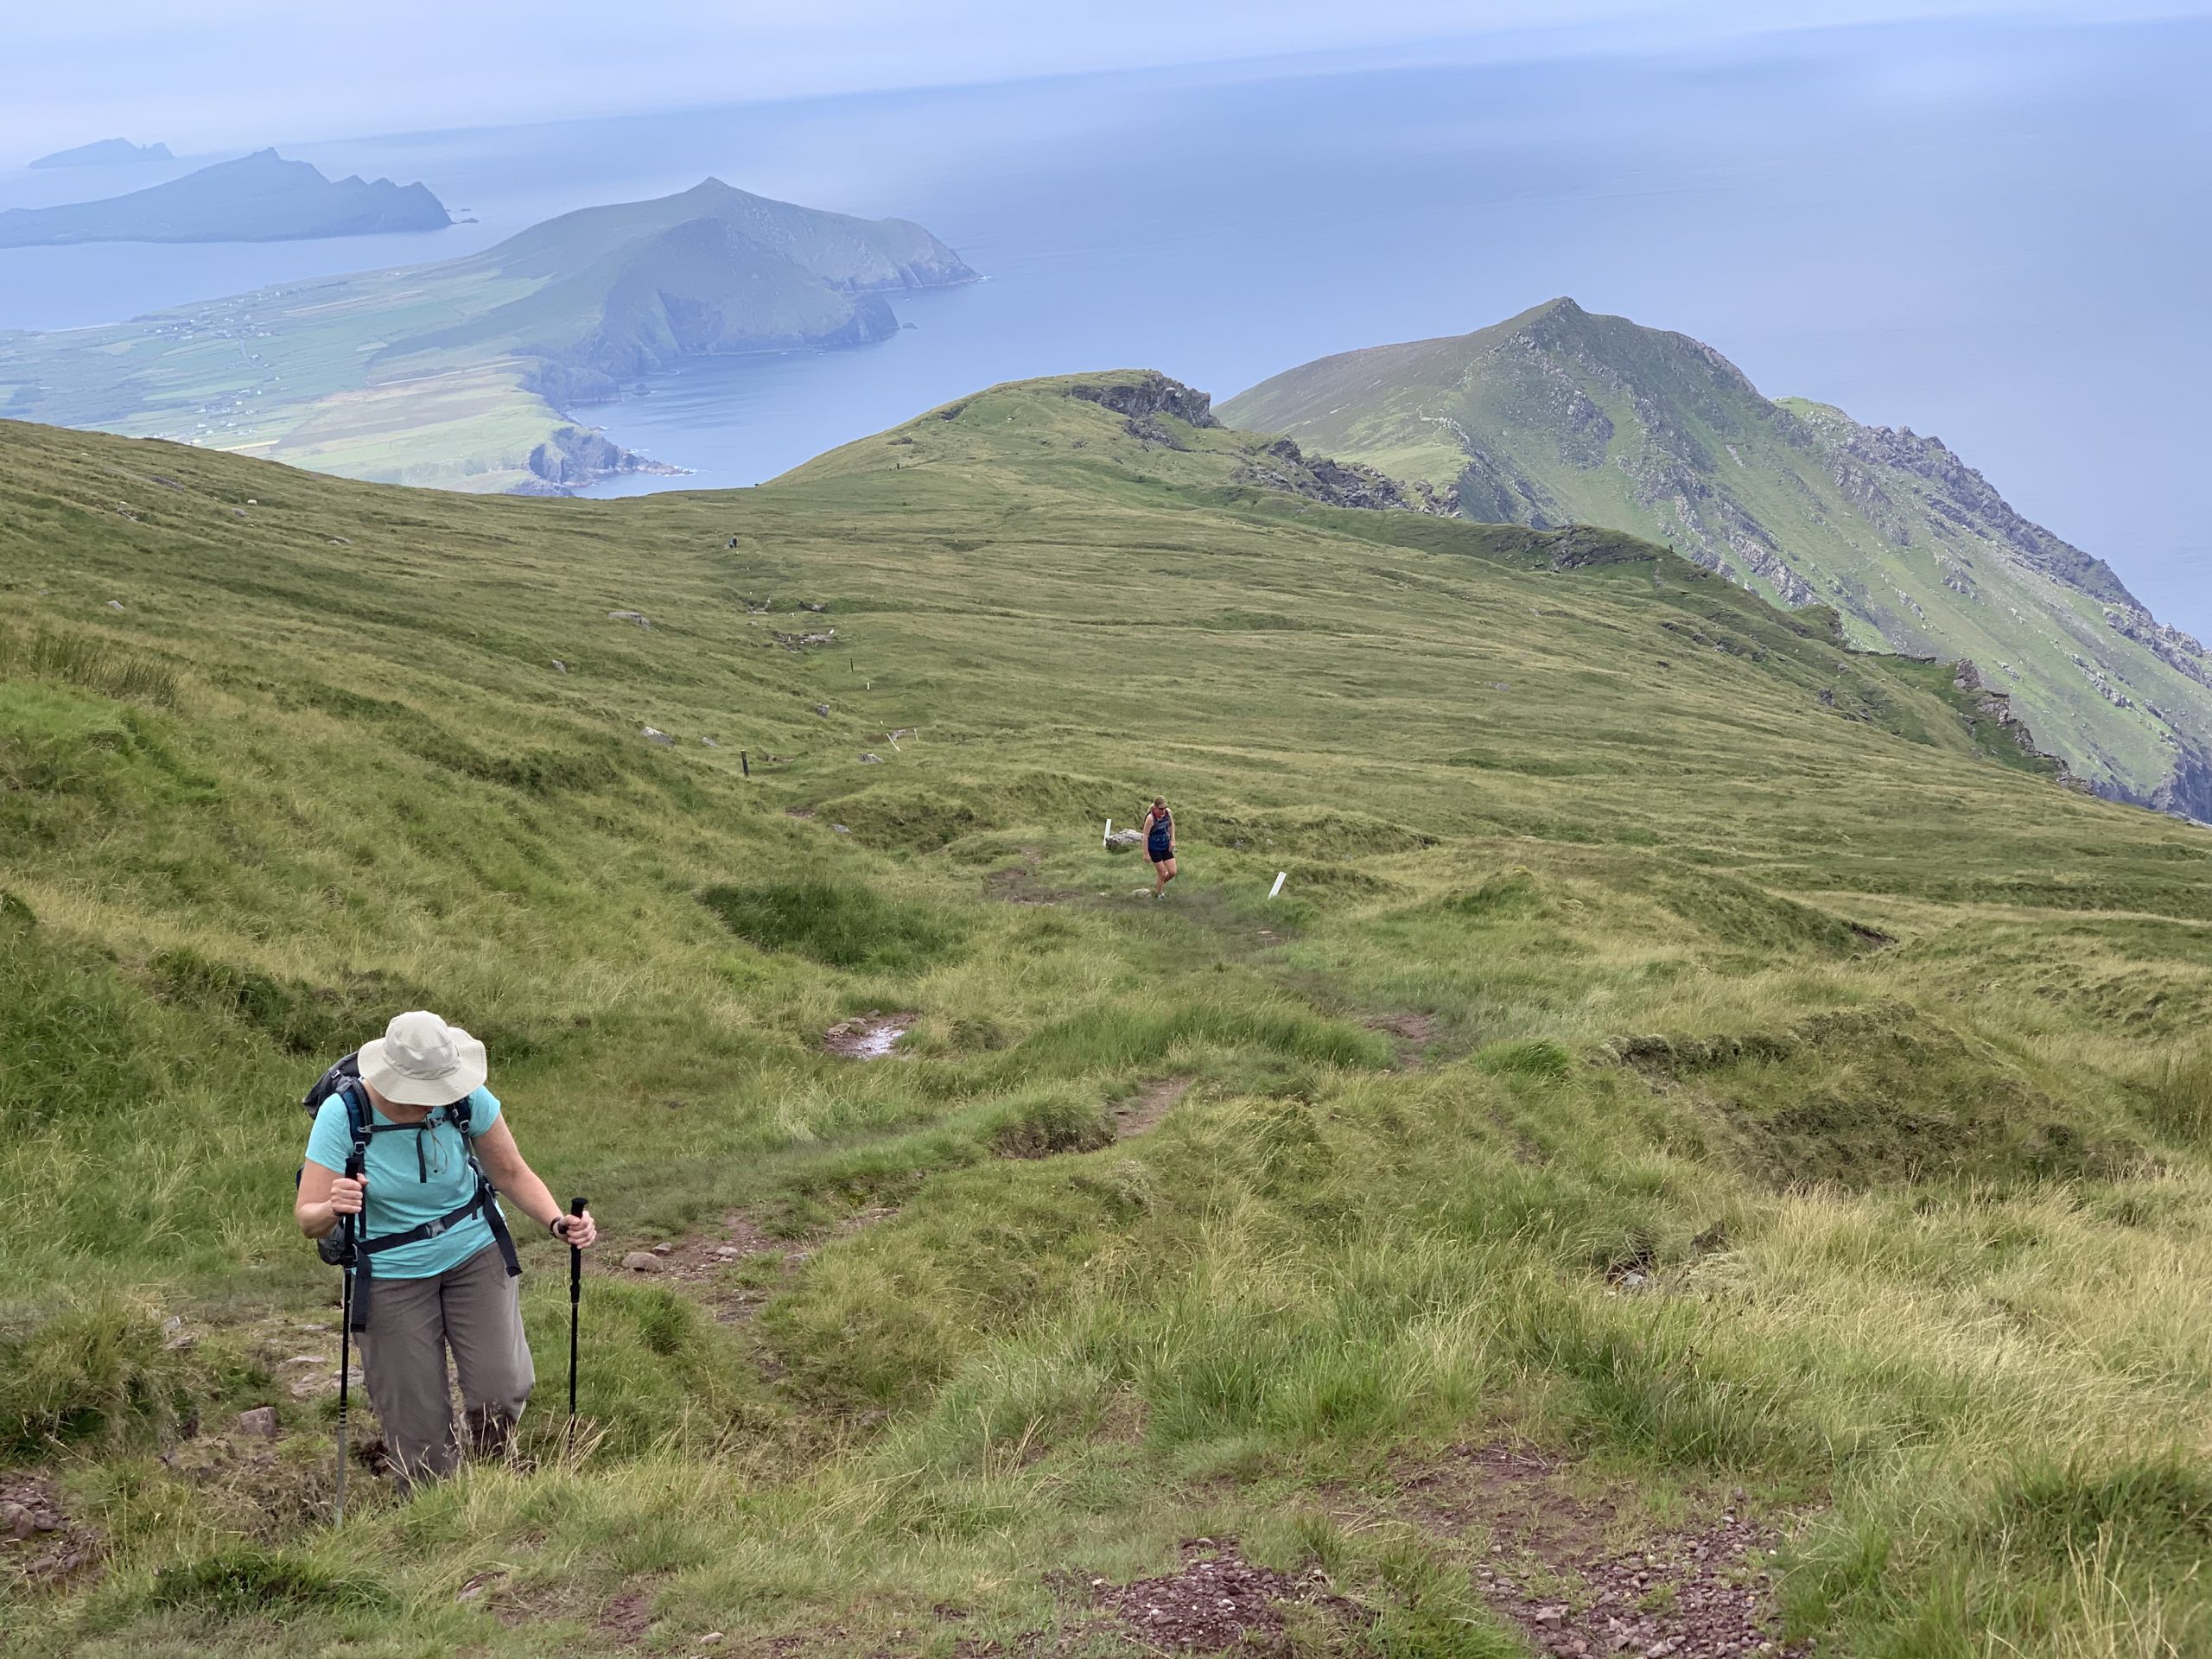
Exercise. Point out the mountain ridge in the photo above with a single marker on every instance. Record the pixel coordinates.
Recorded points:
(257, 198)
(1560, 415)
(105, 152)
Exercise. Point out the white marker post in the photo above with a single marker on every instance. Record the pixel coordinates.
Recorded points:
(1107, 840)
(1279, 877)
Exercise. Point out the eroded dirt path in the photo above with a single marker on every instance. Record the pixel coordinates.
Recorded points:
(1143, 1114)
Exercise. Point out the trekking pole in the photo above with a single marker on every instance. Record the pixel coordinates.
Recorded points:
(346, 1234)
(575, 1295)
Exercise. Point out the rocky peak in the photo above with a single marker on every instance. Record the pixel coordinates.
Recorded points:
(1149, 394)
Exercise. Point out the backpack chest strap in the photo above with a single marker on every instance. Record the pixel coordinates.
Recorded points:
(485, 1203)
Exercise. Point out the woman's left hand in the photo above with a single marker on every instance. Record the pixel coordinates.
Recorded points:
(579, 1232)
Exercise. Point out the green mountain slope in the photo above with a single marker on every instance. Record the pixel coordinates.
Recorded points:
(1559, 417)
(457, 374)
(257, 198)
(1693, 1069)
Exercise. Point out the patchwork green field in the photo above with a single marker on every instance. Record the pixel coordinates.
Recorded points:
(1703, 1090)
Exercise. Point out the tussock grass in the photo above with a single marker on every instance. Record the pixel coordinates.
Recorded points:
(80, 659)
(843, 923)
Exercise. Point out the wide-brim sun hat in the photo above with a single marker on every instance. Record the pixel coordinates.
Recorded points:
(422, 1061)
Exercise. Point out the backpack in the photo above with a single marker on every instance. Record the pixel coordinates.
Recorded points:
(349, 1244)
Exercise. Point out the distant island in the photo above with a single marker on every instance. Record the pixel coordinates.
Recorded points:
(257, 198)
(459, 374)
(624, 290)
(105, 152)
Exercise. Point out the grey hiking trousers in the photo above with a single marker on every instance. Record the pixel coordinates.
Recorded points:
(476, 1310)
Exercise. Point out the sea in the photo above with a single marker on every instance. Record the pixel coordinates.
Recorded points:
(1991, 232)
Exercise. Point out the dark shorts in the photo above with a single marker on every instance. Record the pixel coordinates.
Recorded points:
(1159, 854)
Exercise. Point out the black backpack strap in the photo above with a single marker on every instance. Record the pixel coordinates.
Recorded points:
(462, 1115)
(488, 1200)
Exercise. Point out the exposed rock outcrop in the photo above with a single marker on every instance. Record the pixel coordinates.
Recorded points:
(1150, 393)
(1283, 466)
(1996, 707)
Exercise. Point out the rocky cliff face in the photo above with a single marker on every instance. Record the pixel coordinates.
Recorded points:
(1559, 418)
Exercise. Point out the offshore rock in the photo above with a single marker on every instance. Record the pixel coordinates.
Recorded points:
(576, 456)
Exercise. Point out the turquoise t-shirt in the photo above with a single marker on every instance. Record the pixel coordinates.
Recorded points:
(403, 1195)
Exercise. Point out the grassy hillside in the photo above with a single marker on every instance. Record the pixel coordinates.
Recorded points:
(1557, 416)
(1699, 1091)
(257, 198)
(455, 374)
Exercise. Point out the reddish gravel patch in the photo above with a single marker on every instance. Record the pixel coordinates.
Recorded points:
(1215, 1602)
(38, 1540)
(1556, 1569)
(1136, 1116)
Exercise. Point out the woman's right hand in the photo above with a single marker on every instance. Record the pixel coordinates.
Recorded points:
(345, 1195)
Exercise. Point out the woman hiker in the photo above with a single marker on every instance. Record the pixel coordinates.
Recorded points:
(1160, 844)
(435, 1265)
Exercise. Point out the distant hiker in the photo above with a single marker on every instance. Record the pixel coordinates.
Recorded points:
(434, 1267)
(1160, 844)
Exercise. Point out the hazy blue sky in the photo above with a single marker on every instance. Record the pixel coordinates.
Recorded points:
(207, 75)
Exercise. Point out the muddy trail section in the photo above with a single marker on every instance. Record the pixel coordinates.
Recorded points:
(870, 1036)
(1555, 1564)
